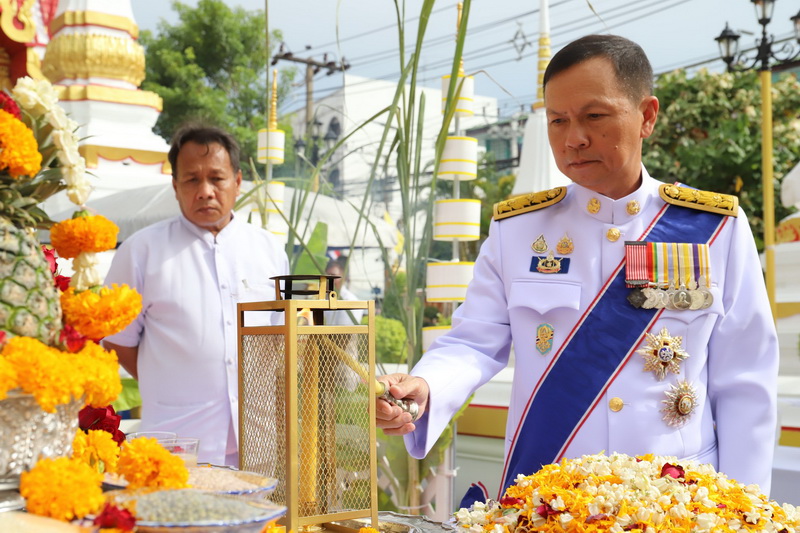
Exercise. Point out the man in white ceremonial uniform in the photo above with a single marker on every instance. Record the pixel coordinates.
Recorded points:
(637, 309)
(191, 271)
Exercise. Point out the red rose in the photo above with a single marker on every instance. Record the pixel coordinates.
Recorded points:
(671, 470)
(113, 516)
(70, 338)
(50, 255)
(101, 418)
(546, 511)
(509, 501)
(8, 105)
(62, 282)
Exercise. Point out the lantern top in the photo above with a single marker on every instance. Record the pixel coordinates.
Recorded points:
(289, 290)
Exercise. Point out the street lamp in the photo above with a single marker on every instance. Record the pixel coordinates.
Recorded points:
(728, 44)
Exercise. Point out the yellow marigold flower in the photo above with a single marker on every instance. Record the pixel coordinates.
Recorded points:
(145, 463)
(100, 369)
(368, 530)
(96, 448)
(93, 233)
(8, 378)
(19, 153)
(62, 488)
(100, 313)
(44, 372)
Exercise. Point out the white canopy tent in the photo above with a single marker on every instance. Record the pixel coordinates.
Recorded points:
(135, 209)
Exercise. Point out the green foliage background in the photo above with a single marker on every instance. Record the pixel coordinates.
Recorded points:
(708, 136)
(211, 67)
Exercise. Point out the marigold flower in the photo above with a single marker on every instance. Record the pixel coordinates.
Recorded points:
(145, 463)
(103, 312)
(62, 488)
(96, 448)
(19, 153)
(100, 370)
(93, 233)
(8, 378)
(43, 372)
(620, 493)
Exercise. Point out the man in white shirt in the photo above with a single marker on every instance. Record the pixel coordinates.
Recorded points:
(191, 271)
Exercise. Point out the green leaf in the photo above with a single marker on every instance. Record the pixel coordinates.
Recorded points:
(313, 259)
(129, 397)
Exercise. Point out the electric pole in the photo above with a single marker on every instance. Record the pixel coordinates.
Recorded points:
(312, 67)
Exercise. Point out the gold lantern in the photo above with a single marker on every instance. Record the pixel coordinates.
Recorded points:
(307, 404)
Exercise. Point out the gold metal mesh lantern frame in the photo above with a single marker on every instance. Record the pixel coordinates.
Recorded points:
(307, 405)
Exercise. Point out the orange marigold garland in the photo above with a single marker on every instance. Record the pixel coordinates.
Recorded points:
(145, 463)
(101, 312)
(83, 233)
(19, 153)
(62, 488)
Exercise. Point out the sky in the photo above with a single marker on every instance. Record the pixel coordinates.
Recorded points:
(673, 33)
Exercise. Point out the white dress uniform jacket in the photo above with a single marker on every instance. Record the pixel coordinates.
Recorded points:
(190, 282)
(732, 346)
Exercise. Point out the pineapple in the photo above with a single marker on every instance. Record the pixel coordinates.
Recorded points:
(29, 300)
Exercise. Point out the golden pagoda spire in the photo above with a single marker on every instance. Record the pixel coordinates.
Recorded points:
(544, 51)
(458, 26)
(273, 109)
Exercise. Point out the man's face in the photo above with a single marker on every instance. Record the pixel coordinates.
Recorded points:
(596, 129)
(205, 185)
(336, 271)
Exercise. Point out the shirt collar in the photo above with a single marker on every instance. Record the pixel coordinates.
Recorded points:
(618, 211)
(205, 235)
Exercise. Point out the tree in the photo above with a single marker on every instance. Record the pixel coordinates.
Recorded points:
(211, 67)
(708, 135)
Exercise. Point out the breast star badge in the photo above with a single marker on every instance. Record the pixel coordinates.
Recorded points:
(663, 354)
(680, 404)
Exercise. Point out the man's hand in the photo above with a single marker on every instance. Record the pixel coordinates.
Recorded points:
(390, 418)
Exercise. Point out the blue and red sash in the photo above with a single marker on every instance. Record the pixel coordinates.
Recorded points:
(594, 353)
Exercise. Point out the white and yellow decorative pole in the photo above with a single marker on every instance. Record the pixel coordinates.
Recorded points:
(456, 220)
(271, 150)
(537, 166)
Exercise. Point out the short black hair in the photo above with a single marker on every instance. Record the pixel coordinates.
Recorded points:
(633, 69)
(204, 135)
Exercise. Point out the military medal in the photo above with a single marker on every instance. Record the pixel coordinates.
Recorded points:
(549, 264)
(565, 245)
(680, 404)
(663, 354)
(544, 338)
(539, 245)
(676, 273)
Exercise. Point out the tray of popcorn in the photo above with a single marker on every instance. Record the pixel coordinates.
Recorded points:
(624, 493)
(195, 511)
(230, 481)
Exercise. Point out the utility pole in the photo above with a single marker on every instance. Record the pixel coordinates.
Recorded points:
(312, 67)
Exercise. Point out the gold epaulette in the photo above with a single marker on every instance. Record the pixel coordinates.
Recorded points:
(528, 202)
(713, 202)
